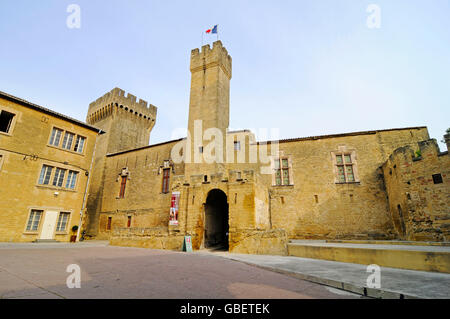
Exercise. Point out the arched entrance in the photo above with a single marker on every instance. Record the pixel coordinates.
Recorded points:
(216, 220)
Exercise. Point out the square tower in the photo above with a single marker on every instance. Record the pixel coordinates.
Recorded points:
(209, 108)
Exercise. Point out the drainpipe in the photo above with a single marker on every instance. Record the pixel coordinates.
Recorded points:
(83, 206)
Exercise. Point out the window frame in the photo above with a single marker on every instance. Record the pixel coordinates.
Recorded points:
(2, 159)
(165, 181)
(282, 169)
(43, 175)
(59, 172)
(11, 123)
(109, 223)
(27, 223)
(123, 186)
(67, 135)
(83, 144)
(59, 222)
(344, 164)
(64, 172)
(64, 137)
(51, 140)
(72, 173)
(437, 179)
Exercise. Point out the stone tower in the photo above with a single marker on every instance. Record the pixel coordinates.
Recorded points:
(209, 105)
(127, 124)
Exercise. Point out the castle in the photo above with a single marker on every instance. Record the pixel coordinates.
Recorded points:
(227, 190)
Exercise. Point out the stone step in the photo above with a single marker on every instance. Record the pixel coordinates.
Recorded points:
(413, 257)
(390, 242)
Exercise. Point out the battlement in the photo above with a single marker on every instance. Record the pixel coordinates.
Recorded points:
(408, 156)
(207, 57)
(116, 98)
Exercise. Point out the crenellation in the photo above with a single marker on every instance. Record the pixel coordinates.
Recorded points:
(210, 57)
(143, 103)
(118, 98)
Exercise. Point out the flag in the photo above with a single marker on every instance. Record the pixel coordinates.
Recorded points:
(212, 30)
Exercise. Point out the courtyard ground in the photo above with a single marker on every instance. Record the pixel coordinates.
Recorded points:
(39, 271)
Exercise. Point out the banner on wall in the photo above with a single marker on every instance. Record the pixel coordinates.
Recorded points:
(175, 202)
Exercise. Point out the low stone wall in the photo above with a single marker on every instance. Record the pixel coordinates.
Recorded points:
(242, 241)
(259, 242)
(154, 238)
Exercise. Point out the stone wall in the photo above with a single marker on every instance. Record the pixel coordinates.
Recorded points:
(23, 152)
(144, 200)
(154, 238)
(419, 206)
(317, 206)
(259, 242)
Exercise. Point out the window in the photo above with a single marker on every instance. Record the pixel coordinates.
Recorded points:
(55, 138)
(165, 182)
(437, 179)
(34, 219)
(345, 170)
(79, 144)
(62, 222)
(46, 172)
(68, 140)
(6, 120)
(59, 177)
(123, 184)
(282, 172)
(237, 146)
(71, 180)
(200, 149)
(129, 222)
(108, 225)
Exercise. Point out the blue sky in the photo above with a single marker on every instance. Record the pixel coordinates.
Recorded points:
(306, 67)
